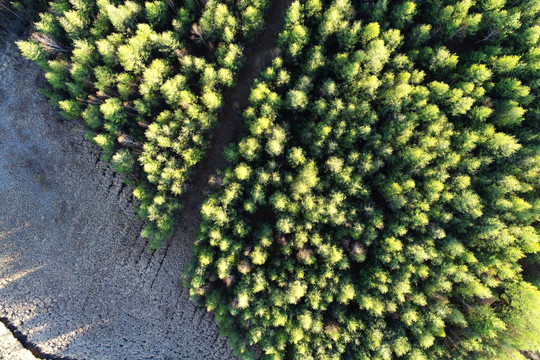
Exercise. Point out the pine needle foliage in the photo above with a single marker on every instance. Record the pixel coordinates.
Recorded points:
(387, 188)
(148, 78)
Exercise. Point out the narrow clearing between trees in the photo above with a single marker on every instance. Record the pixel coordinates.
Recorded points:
(76, 280)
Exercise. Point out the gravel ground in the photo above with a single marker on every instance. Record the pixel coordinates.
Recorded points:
(75, 277)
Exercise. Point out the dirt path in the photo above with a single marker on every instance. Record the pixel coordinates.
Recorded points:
(75, 277)
(230, 127)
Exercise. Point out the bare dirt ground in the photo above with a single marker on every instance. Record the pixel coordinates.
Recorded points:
(76, 281)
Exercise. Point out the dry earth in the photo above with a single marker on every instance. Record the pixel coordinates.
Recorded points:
(76, 280)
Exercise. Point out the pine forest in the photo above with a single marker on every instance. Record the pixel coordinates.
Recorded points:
(382, 201)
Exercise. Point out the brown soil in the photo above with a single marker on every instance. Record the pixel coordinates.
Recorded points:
(230, 126)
